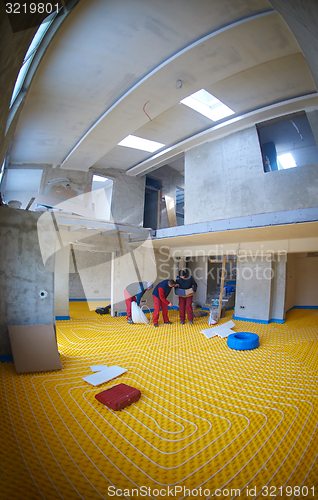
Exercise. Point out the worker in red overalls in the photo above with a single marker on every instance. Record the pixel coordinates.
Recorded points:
(160, 295)
(134, 293)
(186, 282)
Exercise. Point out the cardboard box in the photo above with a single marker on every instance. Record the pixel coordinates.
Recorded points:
(184, 293)
(34, 348)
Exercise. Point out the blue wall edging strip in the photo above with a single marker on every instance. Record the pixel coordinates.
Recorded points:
(263, 322)
(6, 359)
(305, 307)
(302, 307)
(60, 318)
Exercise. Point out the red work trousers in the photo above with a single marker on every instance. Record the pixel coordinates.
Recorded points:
(129, 299)
(164, 307)
(185, 304)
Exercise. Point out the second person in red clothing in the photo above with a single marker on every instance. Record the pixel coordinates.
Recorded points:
(160, 295)
(185, 282)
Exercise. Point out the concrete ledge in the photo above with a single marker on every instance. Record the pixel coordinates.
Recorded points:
(301, 215)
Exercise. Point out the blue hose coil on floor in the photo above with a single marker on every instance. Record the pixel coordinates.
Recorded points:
(243, 341)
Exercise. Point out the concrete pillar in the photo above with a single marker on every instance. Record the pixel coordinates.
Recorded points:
(278, 290)
(290, 281)
(261, 287)
(26, 285)
(61, 283)
(253, 287)
(199, 270)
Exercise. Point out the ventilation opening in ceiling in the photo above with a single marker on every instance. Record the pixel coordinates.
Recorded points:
(205, 103)
(132, 141)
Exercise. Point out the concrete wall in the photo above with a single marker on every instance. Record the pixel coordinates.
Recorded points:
(225, 179)
(78, 181)
(61, 283)
(128, 197)
(306, 289)
(290, 281)
(152, 265)
(199, 270)
(23, 276)
(124, 272)
(91, 277)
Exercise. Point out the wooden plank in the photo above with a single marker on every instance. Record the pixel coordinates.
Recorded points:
(171, 211)
(30, 203)
(222, 285)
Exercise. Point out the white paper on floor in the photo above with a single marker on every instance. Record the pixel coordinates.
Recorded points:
(222, 331)
(98, 368)
(105, 375)
(208, 332)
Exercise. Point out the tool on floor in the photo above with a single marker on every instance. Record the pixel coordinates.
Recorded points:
(118, 397)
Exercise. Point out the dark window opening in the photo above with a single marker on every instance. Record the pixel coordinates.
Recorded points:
(180, 206)
(287, 142)
(152, 210)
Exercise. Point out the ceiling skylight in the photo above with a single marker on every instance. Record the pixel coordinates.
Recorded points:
(99, 178)
(131, 141)
(286, 160)
(207, 105)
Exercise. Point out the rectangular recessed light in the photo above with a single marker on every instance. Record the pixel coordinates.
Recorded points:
(205, 103)
(132, 141)
(287, 160)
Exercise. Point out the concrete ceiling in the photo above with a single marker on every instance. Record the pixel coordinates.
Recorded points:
(111, 70)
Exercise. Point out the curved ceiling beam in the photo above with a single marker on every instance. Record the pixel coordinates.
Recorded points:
(66, 162)
(222, 129)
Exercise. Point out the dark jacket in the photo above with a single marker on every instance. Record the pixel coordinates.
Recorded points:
(186, 283)
(162, 291)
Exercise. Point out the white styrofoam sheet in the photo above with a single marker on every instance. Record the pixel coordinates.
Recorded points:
(228, 324)
(98, 368)
(105, 375)
(208, 332)
(222, 331)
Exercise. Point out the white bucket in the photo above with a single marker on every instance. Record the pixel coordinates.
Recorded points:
(14, 204)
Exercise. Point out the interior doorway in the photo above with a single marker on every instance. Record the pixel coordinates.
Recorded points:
(152, 211)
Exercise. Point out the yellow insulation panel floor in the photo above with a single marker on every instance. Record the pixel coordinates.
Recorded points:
(212, 422)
